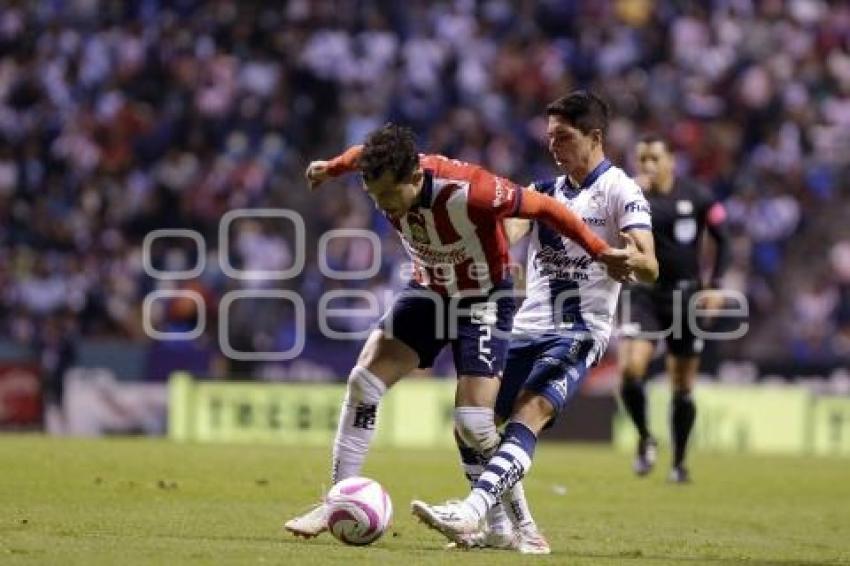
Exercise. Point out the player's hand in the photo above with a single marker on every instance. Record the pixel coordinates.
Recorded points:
(622, 262)
(615, 261)
(316, 174)
(618, 262)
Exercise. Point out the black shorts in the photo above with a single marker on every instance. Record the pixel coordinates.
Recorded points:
(655, 312)
(477, 327)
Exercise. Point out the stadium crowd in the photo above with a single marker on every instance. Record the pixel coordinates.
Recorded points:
(118, 118)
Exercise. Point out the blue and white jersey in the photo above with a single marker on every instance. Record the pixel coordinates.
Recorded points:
(566, 291)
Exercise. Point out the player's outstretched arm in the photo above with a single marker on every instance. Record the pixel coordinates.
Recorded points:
(537, 206)
(320, 171)
(641, 262)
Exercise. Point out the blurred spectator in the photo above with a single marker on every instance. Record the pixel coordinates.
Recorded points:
(118, 118)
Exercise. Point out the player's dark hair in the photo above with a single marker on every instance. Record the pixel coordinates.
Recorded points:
(583, 109)
(389, 148)
(655, 137)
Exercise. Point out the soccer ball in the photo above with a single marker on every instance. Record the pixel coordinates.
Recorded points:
(359, 511)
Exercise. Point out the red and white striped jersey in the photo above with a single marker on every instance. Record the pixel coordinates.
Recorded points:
(454, 234)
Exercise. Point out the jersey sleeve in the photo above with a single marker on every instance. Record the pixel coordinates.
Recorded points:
(538, 206)
(631, 209)
(345, 162)
(494, 195)
(712, 210)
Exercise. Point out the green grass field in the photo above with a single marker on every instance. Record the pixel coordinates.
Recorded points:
(154, 502)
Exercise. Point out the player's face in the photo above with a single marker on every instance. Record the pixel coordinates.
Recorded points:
(655, 162)
(394, 197)
(570, 148)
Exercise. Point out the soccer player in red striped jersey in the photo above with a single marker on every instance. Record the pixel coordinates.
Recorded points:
(449, 215)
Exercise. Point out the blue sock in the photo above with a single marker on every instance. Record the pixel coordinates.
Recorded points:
(507, 466)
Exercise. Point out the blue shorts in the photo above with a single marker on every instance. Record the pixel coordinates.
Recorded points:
(550, 365)
(477, 327)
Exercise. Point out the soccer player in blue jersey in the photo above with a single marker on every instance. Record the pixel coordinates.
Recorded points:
(563, 327)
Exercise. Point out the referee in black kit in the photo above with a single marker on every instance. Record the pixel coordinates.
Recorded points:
(681, 212)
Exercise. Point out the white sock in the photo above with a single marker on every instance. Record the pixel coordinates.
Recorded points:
(357, 419)
(516, 505)
(476, 427)
(498, 520)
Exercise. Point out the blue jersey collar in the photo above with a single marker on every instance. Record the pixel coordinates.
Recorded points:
(591, 178)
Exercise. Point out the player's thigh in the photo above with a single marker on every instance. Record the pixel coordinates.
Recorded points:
(386, 357)
(633, 357)
(412, 332)
(682, 370)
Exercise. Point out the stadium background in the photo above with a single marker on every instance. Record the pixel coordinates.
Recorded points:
(120, 118)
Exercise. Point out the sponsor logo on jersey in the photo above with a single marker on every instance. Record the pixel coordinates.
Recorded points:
(597, 201)
(503, 194)
(590, 221)
(561, 265)
(431, 256)
(637, 206)
(685, 230)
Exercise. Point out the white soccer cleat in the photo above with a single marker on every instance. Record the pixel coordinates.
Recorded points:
(311, 524)
(485, 538)
(529, 540)
(452, 519)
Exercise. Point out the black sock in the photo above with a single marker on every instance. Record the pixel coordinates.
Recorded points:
(472, 462)
(634, 400)
(684, 412)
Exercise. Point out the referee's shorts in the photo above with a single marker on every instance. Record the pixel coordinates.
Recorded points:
(653, 312)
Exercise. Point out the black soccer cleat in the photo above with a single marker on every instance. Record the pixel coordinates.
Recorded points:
(647, 453)
(679, 475)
